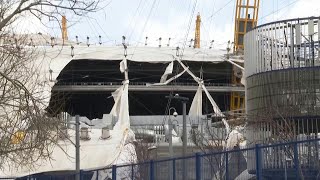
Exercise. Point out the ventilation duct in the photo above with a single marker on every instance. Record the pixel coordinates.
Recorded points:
(105, 133)
(84, 133)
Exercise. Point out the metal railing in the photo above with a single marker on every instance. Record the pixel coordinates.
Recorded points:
(144, 84)
(297, 159)
(285, 44)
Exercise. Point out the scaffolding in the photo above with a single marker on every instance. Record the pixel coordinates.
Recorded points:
(246, 18)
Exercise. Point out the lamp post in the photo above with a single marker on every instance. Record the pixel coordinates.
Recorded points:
(77, 145)
(184, 101)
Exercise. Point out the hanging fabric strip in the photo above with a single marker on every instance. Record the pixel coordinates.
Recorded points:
(216, 109)
(196, 106)
(168, 71)
(168, 81)
(243, 79)
(123, 114)
(122, 66)
(116, 97)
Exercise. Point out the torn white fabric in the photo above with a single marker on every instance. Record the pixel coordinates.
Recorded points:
(94, 153)
(235, 64)
(196, 106)
(123, 66)
(142, 54)
(216, 109)
(167, 72)
(169, 80)
(198, 80)
(116, 97)
(234, 139)
(123, 107)
(243, 79)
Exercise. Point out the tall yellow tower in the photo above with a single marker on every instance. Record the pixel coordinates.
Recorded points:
(197, 32)
(64, 29)
(246, 18)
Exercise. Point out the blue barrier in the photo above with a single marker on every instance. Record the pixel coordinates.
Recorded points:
(290, 160)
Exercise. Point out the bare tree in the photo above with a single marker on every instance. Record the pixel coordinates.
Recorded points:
(27, 133)
(145, 151)
(11, 10)
(210, 139)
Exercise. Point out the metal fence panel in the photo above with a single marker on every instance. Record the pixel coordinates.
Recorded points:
(163, 170)
(288, 160)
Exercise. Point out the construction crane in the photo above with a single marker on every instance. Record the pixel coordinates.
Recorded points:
(197, 32)
(64, 29)
(246, 18)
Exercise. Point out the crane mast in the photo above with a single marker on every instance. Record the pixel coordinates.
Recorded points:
(197, 32)
(64, 29)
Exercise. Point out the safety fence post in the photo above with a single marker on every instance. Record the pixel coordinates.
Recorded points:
(80, 174)
(114, 172)
(132, 172)
(151, 170)
(174, 169)
(227, 165)
(258, 162)
(296, 159)
(198, 166)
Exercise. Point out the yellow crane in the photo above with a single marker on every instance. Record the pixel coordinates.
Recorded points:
(246, 18)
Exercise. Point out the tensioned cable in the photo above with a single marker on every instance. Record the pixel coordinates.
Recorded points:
(188, 29)
(145, 24)
(180, 13)
(132, 20)
(169, 33)
(139, 102)
(213, 14)
(178, 66)
(104, 32)
(278, 10)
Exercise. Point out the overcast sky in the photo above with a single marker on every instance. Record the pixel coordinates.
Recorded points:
(137, 19)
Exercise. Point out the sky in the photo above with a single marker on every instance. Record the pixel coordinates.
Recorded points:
(175, 19)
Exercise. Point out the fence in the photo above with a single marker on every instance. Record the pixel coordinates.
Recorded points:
(289, 160)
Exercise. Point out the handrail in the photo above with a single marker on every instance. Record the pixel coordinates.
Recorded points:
(285, 21)
(143, 84)
(217, 153)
